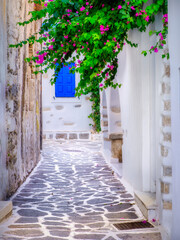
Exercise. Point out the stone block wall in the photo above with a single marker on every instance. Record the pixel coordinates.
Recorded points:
(22, 99)
(166, 149)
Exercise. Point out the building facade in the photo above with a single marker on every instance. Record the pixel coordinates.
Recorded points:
(64, 115)
(20, 93)
(143, 117)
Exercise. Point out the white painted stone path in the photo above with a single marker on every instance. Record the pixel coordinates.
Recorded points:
(72, 194)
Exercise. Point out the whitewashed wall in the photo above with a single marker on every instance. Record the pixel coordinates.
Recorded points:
(64, 116)
(145, 117)
(174, 34)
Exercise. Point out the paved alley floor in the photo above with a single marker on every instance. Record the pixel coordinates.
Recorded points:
(72, 194)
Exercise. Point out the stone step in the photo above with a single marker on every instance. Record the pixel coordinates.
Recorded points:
(5, 209)
(146, 202)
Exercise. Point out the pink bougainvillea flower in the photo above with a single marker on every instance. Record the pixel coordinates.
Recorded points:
(45, 4)
(87, 13)
(132, 8)
(107, 40)
(127, 3)
(147, 18)
(68, 14)
(77, 23)
(90, 67)
(119, 7)
(104, 43)
(128, 22)
(87, 43)
(88, 49)
(112, 9)
(137, 14)
(144, 221)
(50, 47)
(87, 3)
(82, 46)
(82, 8)
(91, 6)
(74, 44)
(111, 67)
(66, 37)
(97, 74)
(114, 39)
(153, 220)
(79, 61)
(101, 85)
(62, 45)
(155, 50)
(161, 36)
(102, 5)
(152, 47)
(107, 74)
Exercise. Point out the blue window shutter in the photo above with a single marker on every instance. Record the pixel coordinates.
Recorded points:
(65, 82)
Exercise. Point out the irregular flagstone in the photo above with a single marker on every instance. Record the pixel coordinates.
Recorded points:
(72, 194)
(25, 226)
(140, 236)
(31, 213)
(26, 233)
(110, 238)
(119, 207)
(122, 215)
(27, 220)
(89, 236)
(59, 233)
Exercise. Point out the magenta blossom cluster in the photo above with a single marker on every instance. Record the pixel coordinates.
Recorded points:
(165, 17)
(103, 29)
(141, 13)
(47, 3)
(40, 59)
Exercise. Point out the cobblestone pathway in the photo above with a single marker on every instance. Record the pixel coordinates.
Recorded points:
(72, 194)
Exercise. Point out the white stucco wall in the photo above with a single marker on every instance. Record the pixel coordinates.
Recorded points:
(174, 35)
(145, 122)
(64, 114)
(138, 101)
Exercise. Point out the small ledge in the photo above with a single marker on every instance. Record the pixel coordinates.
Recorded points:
(146, 201)
(5, 209)
(116, 136)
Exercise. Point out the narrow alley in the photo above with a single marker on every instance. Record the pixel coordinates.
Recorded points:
(72, 194)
